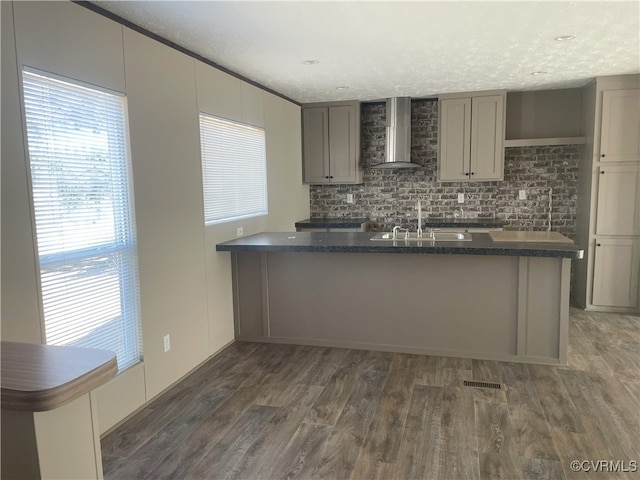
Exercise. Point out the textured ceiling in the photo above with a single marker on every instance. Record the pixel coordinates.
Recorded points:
(384, 49)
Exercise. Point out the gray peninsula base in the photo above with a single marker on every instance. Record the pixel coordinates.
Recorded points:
(506, 308)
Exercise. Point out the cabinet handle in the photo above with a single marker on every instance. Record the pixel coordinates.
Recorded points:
(473, 173)
(603, 155)
(598, 244)
(467, 174)
(327, 176)
(601, 172)
(330, 176)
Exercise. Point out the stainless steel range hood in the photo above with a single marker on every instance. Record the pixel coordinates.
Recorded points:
(398, 151)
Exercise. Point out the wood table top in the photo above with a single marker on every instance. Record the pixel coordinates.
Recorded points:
(43, 377)
(529, 236)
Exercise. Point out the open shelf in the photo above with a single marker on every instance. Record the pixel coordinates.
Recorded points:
(539, 142)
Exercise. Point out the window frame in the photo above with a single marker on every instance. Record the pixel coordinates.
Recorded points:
(122, 250)
(230, 217)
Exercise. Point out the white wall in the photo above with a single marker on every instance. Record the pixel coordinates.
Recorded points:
(20, 308)
(185, 285)
(288, 197)
(580, 280)
(165, 152)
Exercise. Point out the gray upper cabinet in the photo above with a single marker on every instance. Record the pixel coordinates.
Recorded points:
(315, 144)
(331, 143)
(455, 139)
(620, 126)
(472, 132)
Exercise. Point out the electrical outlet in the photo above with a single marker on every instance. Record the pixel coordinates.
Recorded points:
(167, 343)
(461, 198)
(522, 195)
(349, 197)
(239, 231)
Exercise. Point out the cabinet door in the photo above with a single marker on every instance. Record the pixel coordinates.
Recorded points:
(618, 200)
(455, 139)
(615, 274)
(315, 144)
(620, 131)
(343, 161)
(487, 138)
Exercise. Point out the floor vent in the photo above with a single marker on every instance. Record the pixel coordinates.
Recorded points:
(471, 383)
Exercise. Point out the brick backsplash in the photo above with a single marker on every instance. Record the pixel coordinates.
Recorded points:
(388, 197)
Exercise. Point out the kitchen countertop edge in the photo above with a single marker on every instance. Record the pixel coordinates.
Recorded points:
(360, 242)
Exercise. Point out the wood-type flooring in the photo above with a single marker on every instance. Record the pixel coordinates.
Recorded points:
(265, 411)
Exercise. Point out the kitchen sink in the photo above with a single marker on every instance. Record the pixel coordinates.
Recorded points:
(413, 237)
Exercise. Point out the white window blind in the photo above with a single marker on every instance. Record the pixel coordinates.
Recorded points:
(234, 172)
(82, 199)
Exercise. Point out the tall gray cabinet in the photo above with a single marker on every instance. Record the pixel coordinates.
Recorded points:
(608, 218)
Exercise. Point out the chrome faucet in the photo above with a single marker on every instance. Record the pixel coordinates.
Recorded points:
(399, 229)
(419, 208)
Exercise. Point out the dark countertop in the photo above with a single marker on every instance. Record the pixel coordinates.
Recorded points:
(344, 222)
(360, 242)
(462, 223)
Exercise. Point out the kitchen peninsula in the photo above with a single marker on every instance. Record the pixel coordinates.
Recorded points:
(478, 299)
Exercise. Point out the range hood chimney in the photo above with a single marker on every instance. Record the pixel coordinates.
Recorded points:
(398, 151)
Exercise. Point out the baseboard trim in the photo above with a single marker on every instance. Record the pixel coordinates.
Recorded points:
(402, 349)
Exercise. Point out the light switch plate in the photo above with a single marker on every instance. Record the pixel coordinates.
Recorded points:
(461, 198)
(167, 343)
(349, 197)
(239, 231)
(522, 195)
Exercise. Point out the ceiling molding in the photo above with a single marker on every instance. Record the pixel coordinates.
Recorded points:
(123, 21)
